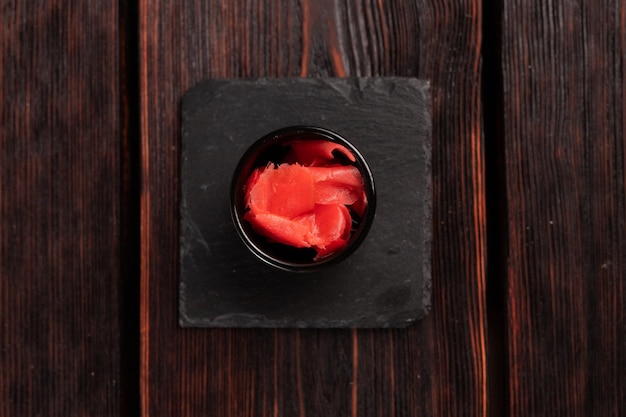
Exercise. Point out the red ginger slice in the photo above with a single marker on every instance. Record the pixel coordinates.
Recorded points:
(279, 229)
(333, 222)
(329, 193)
(346, 175)
(287, 191)
(360, 204)
(337, 184)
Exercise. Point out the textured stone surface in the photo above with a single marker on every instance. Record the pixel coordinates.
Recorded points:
(385, 283)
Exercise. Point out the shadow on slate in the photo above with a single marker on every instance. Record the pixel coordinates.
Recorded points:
(385, 283)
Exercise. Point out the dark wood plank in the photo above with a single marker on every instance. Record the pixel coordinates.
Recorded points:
(59, 209)
(564, 119)
(436, 367)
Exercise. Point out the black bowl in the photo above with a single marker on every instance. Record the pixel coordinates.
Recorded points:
(272, 148)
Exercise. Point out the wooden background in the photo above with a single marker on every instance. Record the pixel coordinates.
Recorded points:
(529, 216)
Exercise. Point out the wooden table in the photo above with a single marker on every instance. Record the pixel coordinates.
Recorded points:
(529, 222)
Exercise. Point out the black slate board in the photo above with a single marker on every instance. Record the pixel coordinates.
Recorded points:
(385, 283)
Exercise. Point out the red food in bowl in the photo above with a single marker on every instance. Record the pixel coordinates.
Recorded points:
(305, 200)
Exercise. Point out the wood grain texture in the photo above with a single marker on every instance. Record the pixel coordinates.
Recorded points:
(436, 367)
(564, 125)
(59, 197)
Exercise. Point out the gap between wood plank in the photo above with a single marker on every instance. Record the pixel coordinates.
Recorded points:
(130, 208)
(497, 211)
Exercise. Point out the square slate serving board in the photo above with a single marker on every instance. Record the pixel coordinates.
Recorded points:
(385, 283)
